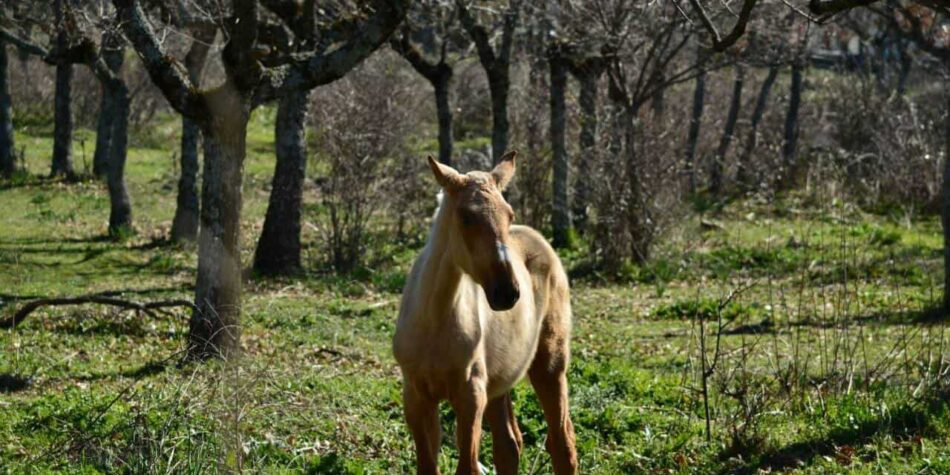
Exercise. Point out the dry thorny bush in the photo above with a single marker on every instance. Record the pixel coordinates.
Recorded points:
(363, 160)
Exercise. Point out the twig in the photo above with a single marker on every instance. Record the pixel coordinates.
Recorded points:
(148, 308)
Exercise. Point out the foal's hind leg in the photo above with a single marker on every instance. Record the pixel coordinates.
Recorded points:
(548, 375)
(505, 434)
(422, 416)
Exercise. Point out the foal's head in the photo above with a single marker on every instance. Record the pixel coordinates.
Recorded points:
(478, 219)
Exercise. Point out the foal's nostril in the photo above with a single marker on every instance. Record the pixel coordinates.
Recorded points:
(503, 296)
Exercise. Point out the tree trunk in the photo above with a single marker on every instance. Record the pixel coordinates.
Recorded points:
(699, 101)
(791, 125)
(588, 144)
(498, 87)
(120, 214)
(637, 219)
(100, 159)
(715, 172)
(185, 222)
(743, 172)
(63, 123)
(112, 54)
(278, 249)
(945, 215)
(444, 112)
(215, 323)
(560, 213)
(7, 148)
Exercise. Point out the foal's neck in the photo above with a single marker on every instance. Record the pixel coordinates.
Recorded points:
(440, 275)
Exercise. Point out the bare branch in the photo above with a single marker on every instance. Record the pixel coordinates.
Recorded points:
(26, 310)
(830, 7)
(23, 44)
(166, 72)
(723, 43)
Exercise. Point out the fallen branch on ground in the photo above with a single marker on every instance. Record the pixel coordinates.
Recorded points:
(149, 308)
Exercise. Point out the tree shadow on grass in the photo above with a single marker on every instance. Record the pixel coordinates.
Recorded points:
(909, 420)
(11, 383)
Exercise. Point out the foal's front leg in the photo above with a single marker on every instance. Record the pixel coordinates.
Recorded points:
(469, 403)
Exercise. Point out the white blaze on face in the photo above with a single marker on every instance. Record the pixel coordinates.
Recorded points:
(502, 252)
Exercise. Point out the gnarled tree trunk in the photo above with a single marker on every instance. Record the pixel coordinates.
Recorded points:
(7, 149)
(715, 171)
(560, 213)
(215, 323)
(278, 249)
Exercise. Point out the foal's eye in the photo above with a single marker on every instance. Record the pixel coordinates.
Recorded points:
(467, 218)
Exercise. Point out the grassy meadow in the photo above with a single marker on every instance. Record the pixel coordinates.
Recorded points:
(808, 320)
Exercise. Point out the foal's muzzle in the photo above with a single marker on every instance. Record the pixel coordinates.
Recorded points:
(503, 294)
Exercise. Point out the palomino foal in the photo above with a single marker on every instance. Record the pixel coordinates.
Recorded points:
(485, 303)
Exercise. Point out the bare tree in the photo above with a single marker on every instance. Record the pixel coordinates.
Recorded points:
(496, 61)
(640, 70)
(256, 72)
(429, 29)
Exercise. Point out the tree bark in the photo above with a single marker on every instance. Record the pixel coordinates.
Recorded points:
(561, 215)
(185, 222)
(637, 220)
(444, 113)
(588, 145)
(699, 101)
(791, 124)
(7, 148)
(496, 62)
(499, 85)
(120, 213)
(100, 159)
(63, 117)
(743, 173)
(715, 172)
(215, 323)
(945, 214)
(112, 54)
(63, 123)
(278, 249)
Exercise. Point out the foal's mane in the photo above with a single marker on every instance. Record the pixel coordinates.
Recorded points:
(436, 216)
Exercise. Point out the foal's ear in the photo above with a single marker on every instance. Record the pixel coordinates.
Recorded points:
(450, 179)
(505, 170)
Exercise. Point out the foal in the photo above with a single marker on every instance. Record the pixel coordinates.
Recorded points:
(485, 303)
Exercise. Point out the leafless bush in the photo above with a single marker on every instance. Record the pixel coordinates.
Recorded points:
(630, 215)
(362, 122)
(887, 147)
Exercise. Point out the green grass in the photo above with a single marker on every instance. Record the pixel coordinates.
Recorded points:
(830, 358)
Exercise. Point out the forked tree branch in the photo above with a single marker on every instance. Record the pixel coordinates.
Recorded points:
(722, 43)
(167, 73)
